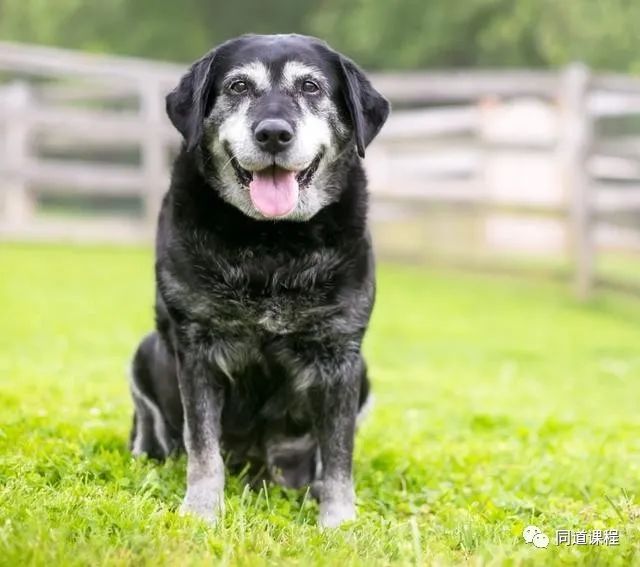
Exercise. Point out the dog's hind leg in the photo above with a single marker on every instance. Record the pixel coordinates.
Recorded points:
(151, 433)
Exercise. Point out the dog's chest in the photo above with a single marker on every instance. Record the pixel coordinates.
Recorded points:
(269, 295)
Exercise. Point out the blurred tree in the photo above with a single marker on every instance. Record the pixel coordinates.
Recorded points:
(378, 33)
(443, 33)
(163, 29)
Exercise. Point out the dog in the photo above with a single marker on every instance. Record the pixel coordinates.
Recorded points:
(264, 274)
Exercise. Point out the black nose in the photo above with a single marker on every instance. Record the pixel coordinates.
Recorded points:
(273, 135)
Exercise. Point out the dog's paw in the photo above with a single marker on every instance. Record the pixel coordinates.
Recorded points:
(207, 505)
(334, 513)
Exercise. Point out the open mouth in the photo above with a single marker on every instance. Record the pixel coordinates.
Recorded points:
(274, 190)
(303, 177)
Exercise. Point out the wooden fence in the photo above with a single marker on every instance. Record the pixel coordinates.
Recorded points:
(509, 167)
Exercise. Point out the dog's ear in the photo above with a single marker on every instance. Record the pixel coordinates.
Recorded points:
(189, 103)
(367, 108)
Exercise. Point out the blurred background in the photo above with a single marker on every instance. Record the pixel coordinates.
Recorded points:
(514, 144)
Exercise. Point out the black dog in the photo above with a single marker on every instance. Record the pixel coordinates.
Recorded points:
(264, 272)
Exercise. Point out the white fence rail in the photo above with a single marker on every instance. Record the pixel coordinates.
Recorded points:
(525, 157)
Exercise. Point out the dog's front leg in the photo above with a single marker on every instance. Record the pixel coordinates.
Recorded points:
(336, 406)
(202, 402)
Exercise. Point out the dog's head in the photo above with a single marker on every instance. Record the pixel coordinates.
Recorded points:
(275, 114)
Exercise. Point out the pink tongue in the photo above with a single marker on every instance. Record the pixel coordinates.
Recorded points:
(274, 191)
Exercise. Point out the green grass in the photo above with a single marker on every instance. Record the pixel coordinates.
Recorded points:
(500, 403)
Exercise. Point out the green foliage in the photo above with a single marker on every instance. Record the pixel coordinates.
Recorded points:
(147, 28)
(399, 34)
(498, 404)
(440, 33)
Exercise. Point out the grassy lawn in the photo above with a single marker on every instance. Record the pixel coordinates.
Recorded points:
(500, 404)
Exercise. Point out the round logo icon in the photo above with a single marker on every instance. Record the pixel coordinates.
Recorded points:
(530, 532)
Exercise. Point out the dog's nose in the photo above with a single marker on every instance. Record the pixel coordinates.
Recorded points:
(273, 135)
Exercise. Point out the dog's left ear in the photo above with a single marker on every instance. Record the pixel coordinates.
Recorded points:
(368, 109)
(189, 103)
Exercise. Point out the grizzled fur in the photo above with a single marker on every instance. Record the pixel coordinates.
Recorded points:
(256, 355)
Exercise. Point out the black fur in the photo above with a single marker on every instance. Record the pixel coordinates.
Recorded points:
(259, 324)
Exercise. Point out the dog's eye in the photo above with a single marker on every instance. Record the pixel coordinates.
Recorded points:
(239, 87)
(310, 87)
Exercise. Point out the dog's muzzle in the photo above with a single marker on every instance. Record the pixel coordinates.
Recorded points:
(275, 190)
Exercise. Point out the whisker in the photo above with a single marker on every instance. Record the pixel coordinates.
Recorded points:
(226, 164)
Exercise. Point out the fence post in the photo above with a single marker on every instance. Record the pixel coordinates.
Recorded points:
(153, 151)
(18, 202)
(575, 140)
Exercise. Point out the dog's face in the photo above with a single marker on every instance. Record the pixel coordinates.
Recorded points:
(275, 114)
